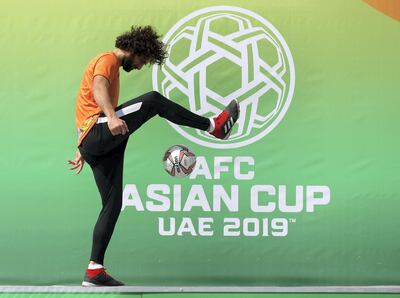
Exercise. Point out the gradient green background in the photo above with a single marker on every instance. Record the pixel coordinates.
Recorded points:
(341, 130)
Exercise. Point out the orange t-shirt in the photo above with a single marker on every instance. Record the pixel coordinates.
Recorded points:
(87, 111)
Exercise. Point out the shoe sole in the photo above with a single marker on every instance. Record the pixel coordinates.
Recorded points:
(89, 284)
(237, 108)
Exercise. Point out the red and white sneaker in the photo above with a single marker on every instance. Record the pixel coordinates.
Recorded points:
(224, 122)
(99, 278)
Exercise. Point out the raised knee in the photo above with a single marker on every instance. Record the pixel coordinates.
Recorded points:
(155, 94)
(156, 99)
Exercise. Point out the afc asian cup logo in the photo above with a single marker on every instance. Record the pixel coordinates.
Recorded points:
(220, 53)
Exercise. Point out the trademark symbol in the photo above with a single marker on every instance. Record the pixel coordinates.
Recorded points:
(292, 220)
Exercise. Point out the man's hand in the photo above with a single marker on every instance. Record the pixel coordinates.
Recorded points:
(77, 163)
(117, 126)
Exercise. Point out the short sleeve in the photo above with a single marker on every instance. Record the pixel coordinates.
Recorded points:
(106, 66)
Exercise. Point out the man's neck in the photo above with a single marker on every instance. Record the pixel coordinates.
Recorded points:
(120, 55)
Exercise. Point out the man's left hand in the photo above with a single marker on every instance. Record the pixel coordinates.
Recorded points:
(77, 163)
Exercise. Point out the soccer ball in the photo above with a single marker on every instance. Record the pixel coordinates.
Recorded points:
(179, 161)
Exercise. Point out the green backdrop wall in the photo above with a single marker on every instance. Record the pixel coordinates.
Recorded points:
(313, 201)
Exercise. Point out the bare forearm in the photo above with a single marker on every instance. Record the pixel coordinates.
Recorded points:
(102, 98)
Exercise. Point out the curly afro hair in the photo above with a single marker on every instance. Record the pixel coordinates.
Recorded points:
(143, 41)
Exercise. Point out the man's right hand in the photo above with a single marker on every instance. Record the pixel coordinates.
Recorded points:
(117, 126)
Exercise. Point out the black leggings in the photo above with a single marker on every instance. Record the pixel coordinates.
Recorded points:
(105, 155)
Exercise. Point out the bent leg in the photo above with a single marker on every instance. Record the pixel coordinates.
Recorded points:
(138, 111)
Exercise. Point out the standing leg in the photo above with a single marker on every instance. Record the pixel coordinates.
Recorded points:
(107, 170)
(108, 173)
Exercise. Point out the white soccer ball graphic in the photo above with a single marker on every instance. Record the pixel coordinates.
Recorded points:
(222, 53)
(179, 161)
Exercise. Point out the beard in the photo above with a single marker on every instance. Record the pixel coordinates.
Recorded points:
(127, 64)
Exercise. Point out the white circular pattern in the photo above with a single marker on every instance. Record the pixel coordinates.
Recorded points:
(266, 78)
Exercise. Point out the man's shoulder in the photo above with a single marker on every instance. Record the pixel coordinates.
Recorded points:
(105, 56)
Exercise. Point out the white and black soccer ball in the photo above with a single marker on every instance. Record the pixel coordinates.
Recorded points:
(179, 161)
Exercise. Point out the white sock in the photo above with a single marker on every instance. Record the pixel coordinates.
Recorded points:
(212, 125)
(94, 266)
